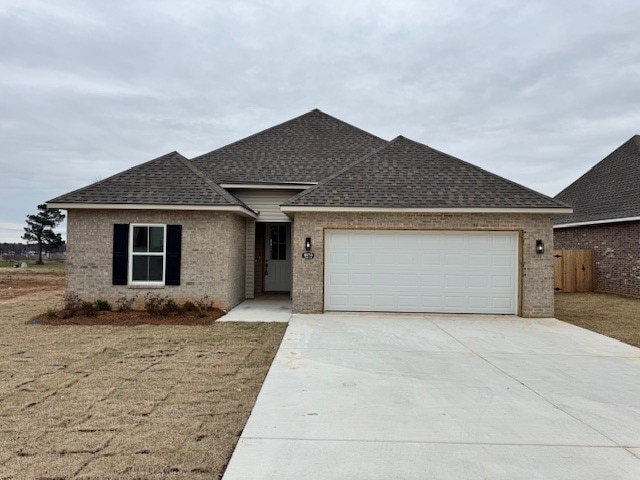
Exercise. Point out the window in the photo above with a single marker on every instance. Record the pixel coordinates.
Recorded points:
(278, 242)
(162, 242)
(147, 247)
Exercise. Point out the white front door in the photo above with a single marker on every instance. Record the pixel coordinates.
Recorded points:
(277, 268)
(421, 271)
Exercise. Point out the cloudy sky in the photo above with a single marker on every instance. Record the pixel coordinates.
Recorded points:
(534, 91)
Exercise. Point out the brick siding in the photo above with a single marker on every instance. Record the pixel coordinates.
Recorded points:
(617, 253)
(536, 270)
(213, 255)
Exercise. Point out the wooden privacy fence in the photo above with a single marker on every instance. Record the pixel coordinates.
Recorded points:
(573, 270)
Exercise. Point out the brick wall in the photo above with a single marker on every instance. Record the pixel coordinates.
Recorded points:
(537, 270)
(617, 253)
(213, 254)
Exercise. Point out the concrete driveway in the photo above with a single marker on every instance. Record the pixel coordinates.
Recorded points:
(444, 397)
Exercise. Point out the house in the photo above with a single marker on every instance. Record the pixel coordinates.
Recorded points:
(340, 218)
(606, 218)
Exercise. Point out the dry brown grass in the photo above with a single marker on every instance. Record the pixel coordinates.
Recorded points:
(616, 316)
(104, 402)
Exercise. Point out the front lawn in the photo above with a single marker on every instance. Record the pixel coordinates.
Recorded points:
(616, 316)
(115, 402)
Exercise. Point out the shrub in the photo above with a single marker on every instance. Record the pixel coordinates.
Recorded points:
(89, 309)
(189, 306)
(124, 304)
(103, 305)
(204, 305)
(72, 305)
(51, 313)
(154, 303)
(170, 306)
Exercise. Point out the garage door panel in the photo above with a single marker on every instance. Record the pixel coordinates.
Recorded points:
(477, 260)
(431, 282)
(480, 303)
(503, 282)
(478, 281)
(429, 260)
(421, 271)
(454, 259)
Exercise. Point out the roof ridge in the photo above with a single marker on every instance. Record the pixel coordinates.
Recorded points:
(217, 188)
(91, 185)
(314, 111)
(495, 175)
(347, 124)
(340, 172)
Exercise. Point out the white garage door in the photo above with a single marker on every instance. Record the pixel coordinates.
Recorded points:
(421, 271)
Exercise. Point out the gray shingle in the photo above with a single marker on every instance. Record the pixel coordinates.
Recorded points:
(408, 174)
(305, 149)
(167, 180)
(611, 189)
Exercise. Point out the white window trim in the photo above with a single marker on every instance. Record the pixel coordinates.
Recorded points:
(131, 254)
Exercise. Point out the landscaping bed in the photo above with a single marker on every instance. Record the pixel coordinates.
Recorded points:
(132, 317)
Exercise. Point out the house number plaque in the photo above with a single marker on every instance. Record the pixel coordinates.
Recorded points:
(308, 255)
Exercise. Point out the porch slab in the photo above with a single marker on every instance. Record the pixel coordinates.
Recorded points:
(267, 308)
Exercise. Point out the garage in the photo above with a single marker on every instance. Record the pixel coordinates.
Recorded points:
(421, 271)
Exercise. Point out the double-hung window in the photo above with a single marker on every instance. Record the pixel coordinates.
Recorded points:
(147, 254)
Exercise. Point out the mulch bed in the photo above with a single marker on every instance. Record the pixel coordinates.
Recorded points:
(132, 317)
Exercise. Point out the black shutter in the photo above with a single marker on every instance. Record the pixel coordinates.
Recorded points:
(120, 253)
(174, 249)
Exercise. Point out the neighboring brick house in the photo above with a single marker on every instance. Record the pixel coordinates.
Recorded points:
(340, 218)
(606, 218)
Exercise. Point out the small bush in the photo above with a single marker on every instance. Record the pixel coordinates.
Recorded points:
(51, 313)
(103, 305)
(72, 305)
(204, 305)
(189, 306)
(124, 304)
(170, 306)
(89, 309)
(154, 303)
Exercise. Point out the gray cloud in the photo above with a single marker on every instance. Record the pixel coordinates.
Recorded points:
(535, 92)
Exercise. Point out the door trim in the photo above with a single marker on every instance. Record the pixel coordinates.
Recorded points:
(267, 254)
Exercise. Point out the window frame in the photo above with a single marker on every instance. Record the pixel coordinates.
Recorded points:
(162, 254)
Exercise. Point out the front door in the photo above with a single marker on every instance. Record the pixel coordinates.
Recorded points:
(277, 266)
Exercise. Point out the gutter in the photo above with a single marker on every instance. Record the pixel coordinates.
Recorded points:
(141, 206)
(597, 222)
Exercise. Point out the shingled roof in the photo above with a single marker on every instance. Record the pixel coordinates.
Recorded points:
(354, 169)
(305, 149)
(167, 180)
(408, 174)
(610, 190)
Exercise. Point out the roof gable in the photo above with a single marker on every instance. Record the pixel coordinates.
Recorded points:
(307, 148)
(610, 190)
(167, 180)
(408, 174)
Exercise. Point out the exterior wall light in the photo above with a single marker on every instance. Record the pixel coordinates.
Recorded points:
(307, 244)
(539, 247)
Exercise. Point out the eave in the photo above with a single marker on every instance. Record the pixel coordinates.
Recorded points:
(142, 206)
(546, 211)
(597, 222)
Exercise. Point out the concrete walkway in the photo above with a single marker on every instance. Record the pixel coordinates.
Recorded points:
(266, 308)
(444, 397)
